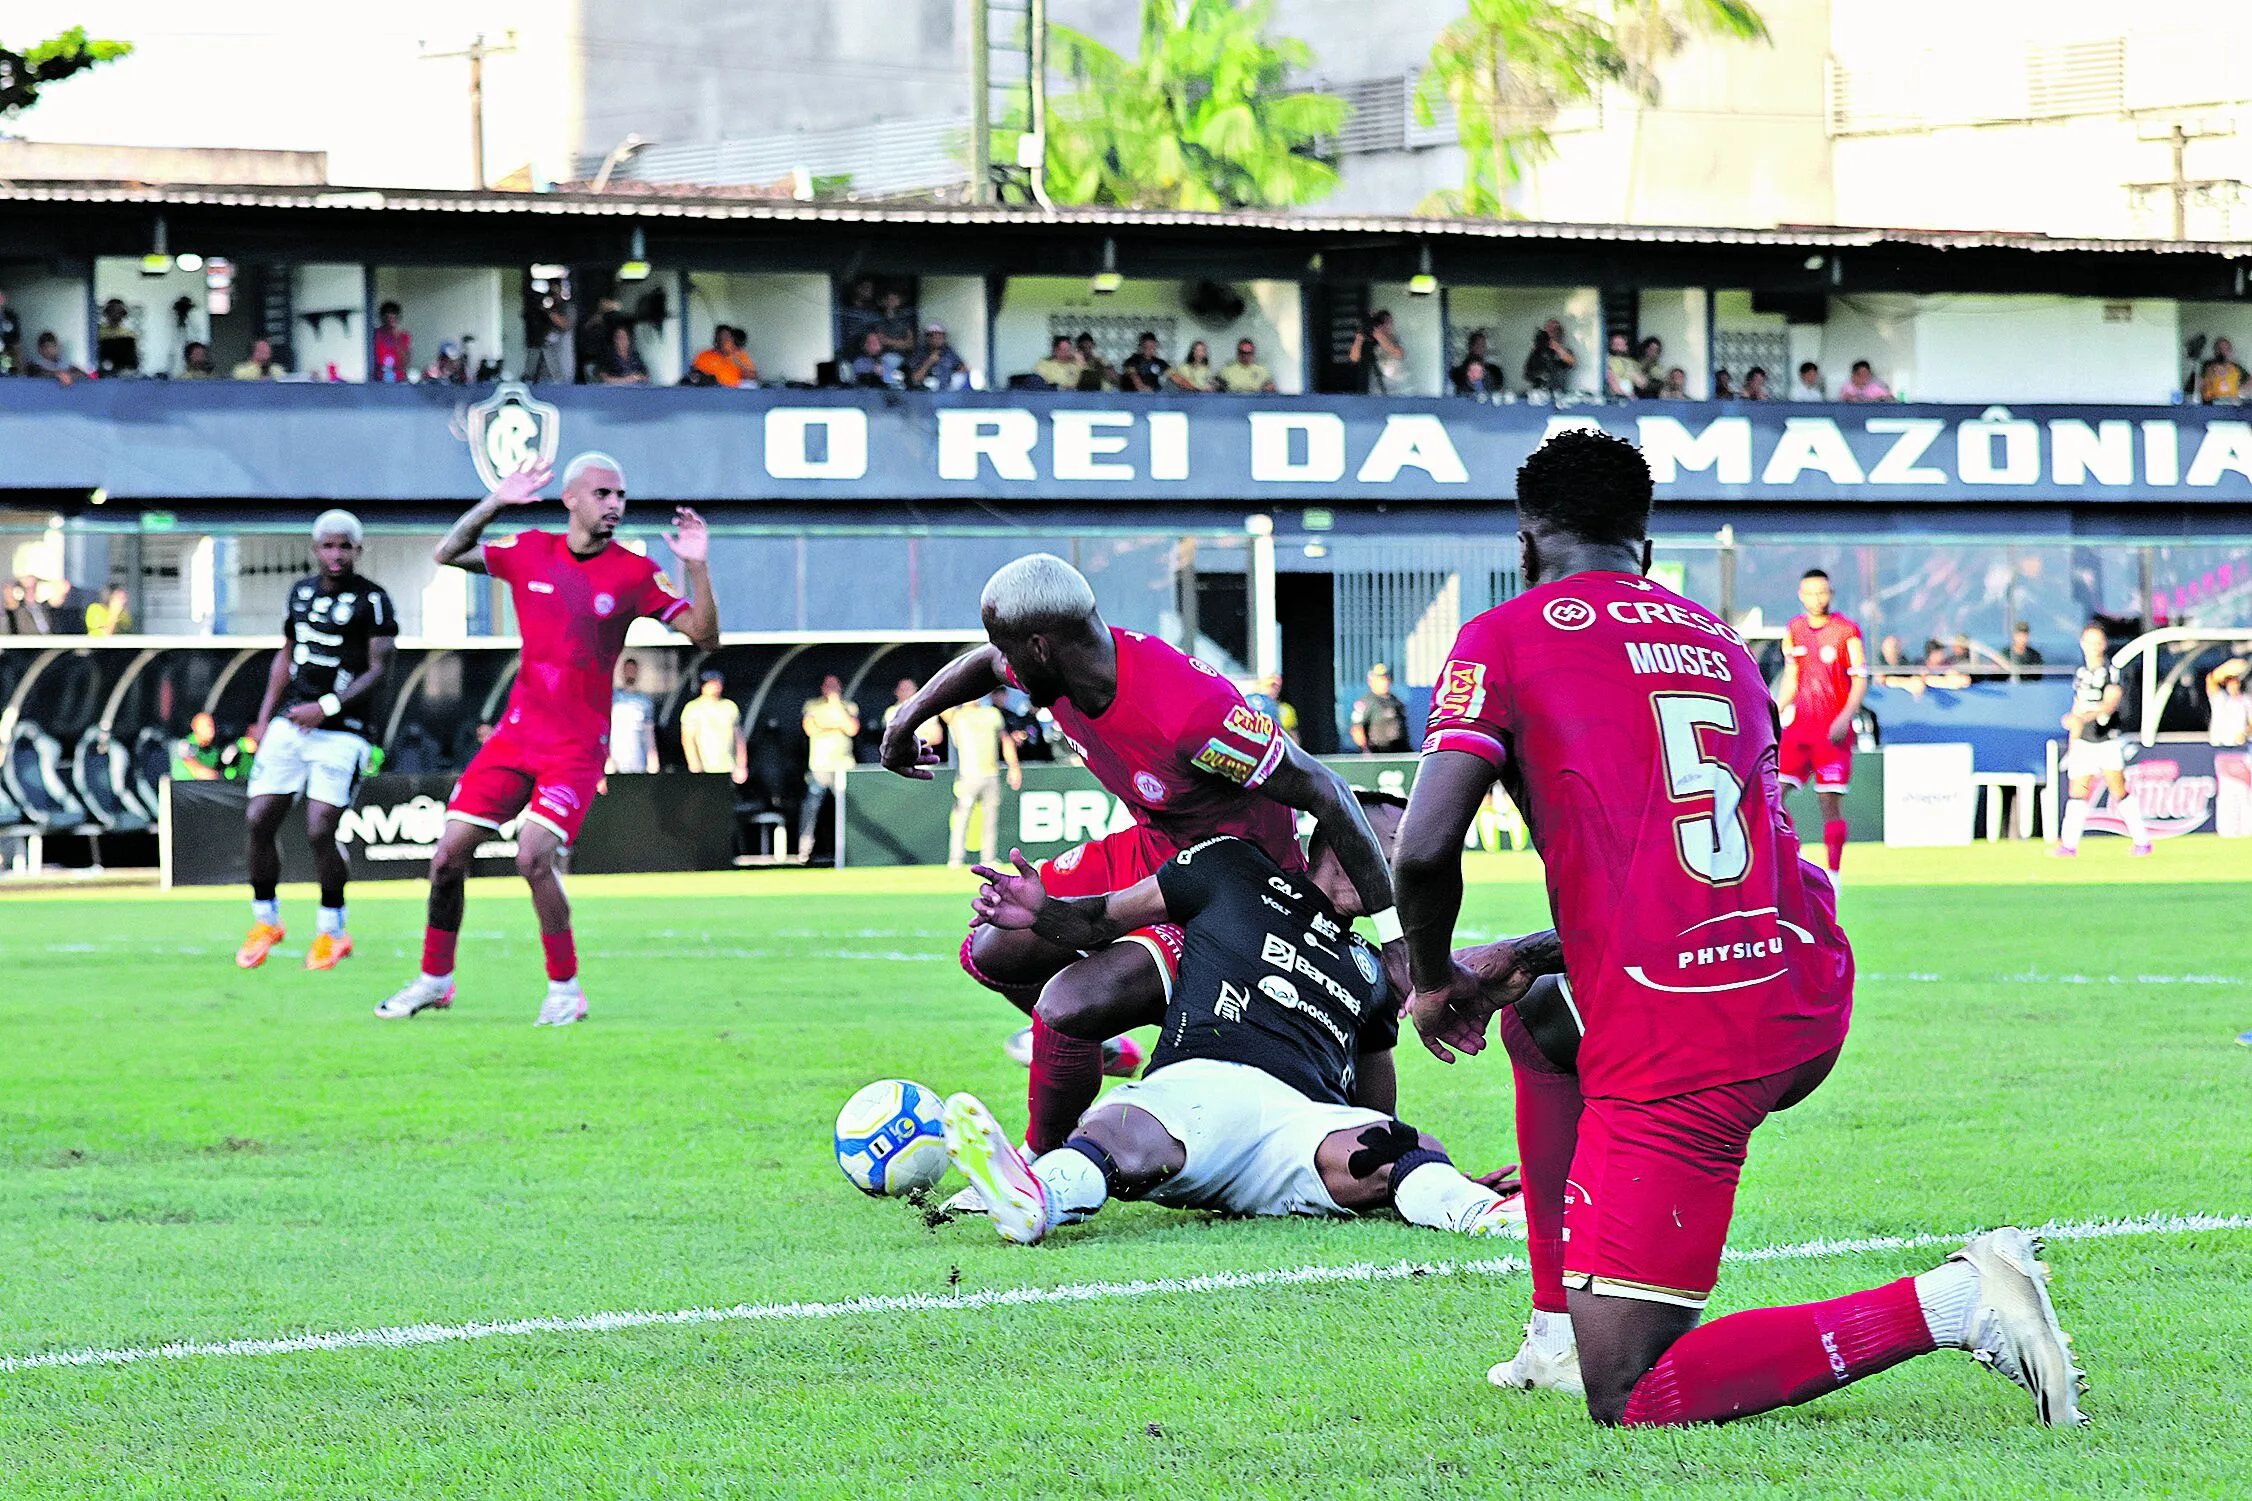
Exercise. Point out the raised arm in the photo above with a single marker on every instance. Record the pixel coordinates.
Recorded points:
(460, 547)
(969, 677)
(690, 542)
(1021, 902)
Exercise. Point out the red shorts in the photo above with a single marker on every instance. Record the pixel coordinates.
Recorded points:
(1112, 863)
(503, 780)
(1810, 755)
(1653, 1184)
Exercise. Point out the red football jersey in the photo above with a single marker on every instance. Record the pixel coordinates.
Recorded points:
(1635, 733)
(572, 613)
(1181, 748)
(1825, 669)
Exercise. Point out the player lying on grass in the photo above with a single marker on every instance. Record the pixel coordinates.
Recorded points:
(1176, 743)
(1709, 982)
(1272, 1089)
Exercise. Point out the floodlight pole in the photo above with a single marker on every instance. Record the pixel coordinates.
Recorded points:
(477, 51)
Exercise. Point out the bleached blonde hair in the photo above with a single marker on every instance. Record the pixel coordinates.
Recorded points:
(339, 524)
(1037, 589)
(593, 458)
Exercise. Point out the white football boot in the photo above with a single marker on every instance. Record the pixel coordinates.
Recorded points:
(565, 1004)
(2014, 1330)
(1504, 1216)
(422, 993)
(1549, 1360)
(1016, 1201)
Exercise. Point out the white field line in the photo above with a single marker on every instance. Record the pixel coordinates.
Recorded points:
(410, 1335)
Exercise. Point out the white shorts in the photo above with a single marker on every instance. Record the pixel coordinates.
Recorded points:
(325, 765)
(2095, 758)
(1250, 1138)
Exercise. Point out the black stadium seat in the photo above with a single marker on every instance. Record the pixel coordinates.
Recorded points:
(36, 780)
(98, 775)
(149, 764)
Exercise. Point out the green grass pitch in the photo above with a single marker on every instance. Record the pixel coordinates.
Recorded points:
(195, 1154)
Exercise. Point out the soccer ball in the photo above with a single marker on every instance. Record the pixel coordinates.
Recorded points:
(889, 1139)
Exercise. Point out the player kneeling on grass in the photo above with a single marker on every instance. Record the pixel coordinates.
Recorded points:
(312, 733)
(1272, 1088)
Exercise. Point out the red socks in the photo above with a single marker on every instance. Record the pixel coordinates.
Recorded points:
(1833, 841)
(562, 955)
(1548, 1123)
(1766, 1358)
(438, 951)
(1067, 1074)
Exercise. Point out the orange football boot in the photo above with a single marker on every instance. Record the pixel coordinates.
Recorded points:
(260, 943)
(328, 950)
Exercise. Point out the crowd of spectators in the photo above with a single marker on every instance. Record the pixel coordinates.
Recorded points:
(34, 606)
(1077, 365)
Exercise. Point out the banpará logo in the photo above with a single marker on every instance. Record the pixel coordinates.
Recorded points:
(509, 429)
(1568, 614)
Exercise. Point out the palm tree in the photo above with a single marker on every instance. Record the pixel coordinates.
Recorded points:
(1199, 119)
(1505, 68)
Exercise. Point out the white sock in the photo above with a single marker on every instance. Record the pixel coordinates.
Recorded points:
(437, 981)
(332, 921)
(267, 912)
(1438, 1196)
(563, 987)
(1949, 1296)
(1550, 1332)
(2131, 809)
(2075, 820)
(1075, 1185)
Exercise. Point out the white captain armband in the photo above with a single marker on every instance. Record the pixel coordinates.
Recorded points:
(332, 706)
(1387, 924)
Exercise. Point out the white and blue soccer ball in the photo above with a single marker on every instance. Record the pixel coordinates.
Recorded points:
(890, 1139)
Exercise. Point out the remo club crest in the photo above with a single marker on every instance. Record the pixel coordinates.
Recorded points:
(604, 604)
(509, 429)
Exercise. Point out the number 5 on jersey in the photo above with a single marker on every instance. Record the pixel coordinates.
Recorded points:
(1714, 847)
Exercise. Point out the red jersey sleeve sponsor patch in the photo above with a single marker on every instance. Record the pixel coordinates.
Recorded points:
(506, 558)
(1245, 750)
(659, 598)
(1465, 714)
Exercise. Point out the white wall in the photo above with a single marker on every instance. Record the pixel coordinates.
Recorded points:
(1510, 314)
(1271, 317)
(788, 319)
(959, 303)
(43, 303)
(340, 342)
(442, 303)
(148, 303)
(1978, 349)
(1877, 327)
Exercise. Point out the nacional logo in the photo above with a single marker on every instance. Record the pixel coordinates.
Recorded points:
(604, 604)
(1461, 693)
(1151, 789)
(509, 429)
(1568, 614)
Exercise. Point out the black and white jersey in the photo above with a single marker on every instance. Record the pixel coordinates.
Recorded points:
(1270, 975)
(327, 635)
(2089, 687)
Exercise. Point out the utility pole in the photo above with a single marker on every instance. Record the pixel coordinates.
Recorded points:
(981, 105)
(1038, 49)
(2180, 185)
(477, 51)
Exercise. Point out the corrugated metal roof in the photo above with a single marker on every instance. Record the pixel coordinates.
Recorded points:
(670, 206)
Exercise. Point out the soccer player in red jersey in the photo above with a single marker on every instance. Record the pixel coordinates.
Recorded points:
(1825, 677)
(1705, 981)
(1175, 742)
(576, 592)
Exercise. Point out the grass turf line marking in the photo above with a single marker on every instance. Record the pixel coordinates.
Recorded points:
(411, 1335)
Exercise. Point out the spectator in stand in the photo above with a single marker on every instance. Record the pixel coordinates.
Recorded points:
(1902, 673)
(622, 366)
(449, 368)
(1474, 353)
(1095, 373)
(394, 347)
(548, 330)
(198, 756)
(1377, 349)
(1245, 376)
(2230, 720)
(111, 614)
(2023, 653)
(1808, 387)
(195, 362)
(2221, 381)
(1549, 365)
(929, 732)
(1145, 370)
(1060, 370)
(1266, 697)
(711, 731)
(726, 363)
(11, 337)
(1648, 381)
(871, 366)
(1941, 667)
(261, 365)
(633, 722)
(858, 317)
(1863, 385)
(1676, 387)
(47, 360)
(982, 744)
(1620, 372)
(831, 723)
(1723, 386)
(1475, 378)
(940, 366)
(895, 325)
(117, 349)
(1379, 718)
(1194, 373)
(1755, 385)
(597, 338)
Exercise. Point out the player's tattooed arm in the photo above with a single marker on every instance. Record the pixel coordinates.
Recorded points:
(1506, 969)
(1301, 782)
(1020, 901)
(966, 679)
(460, 547)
